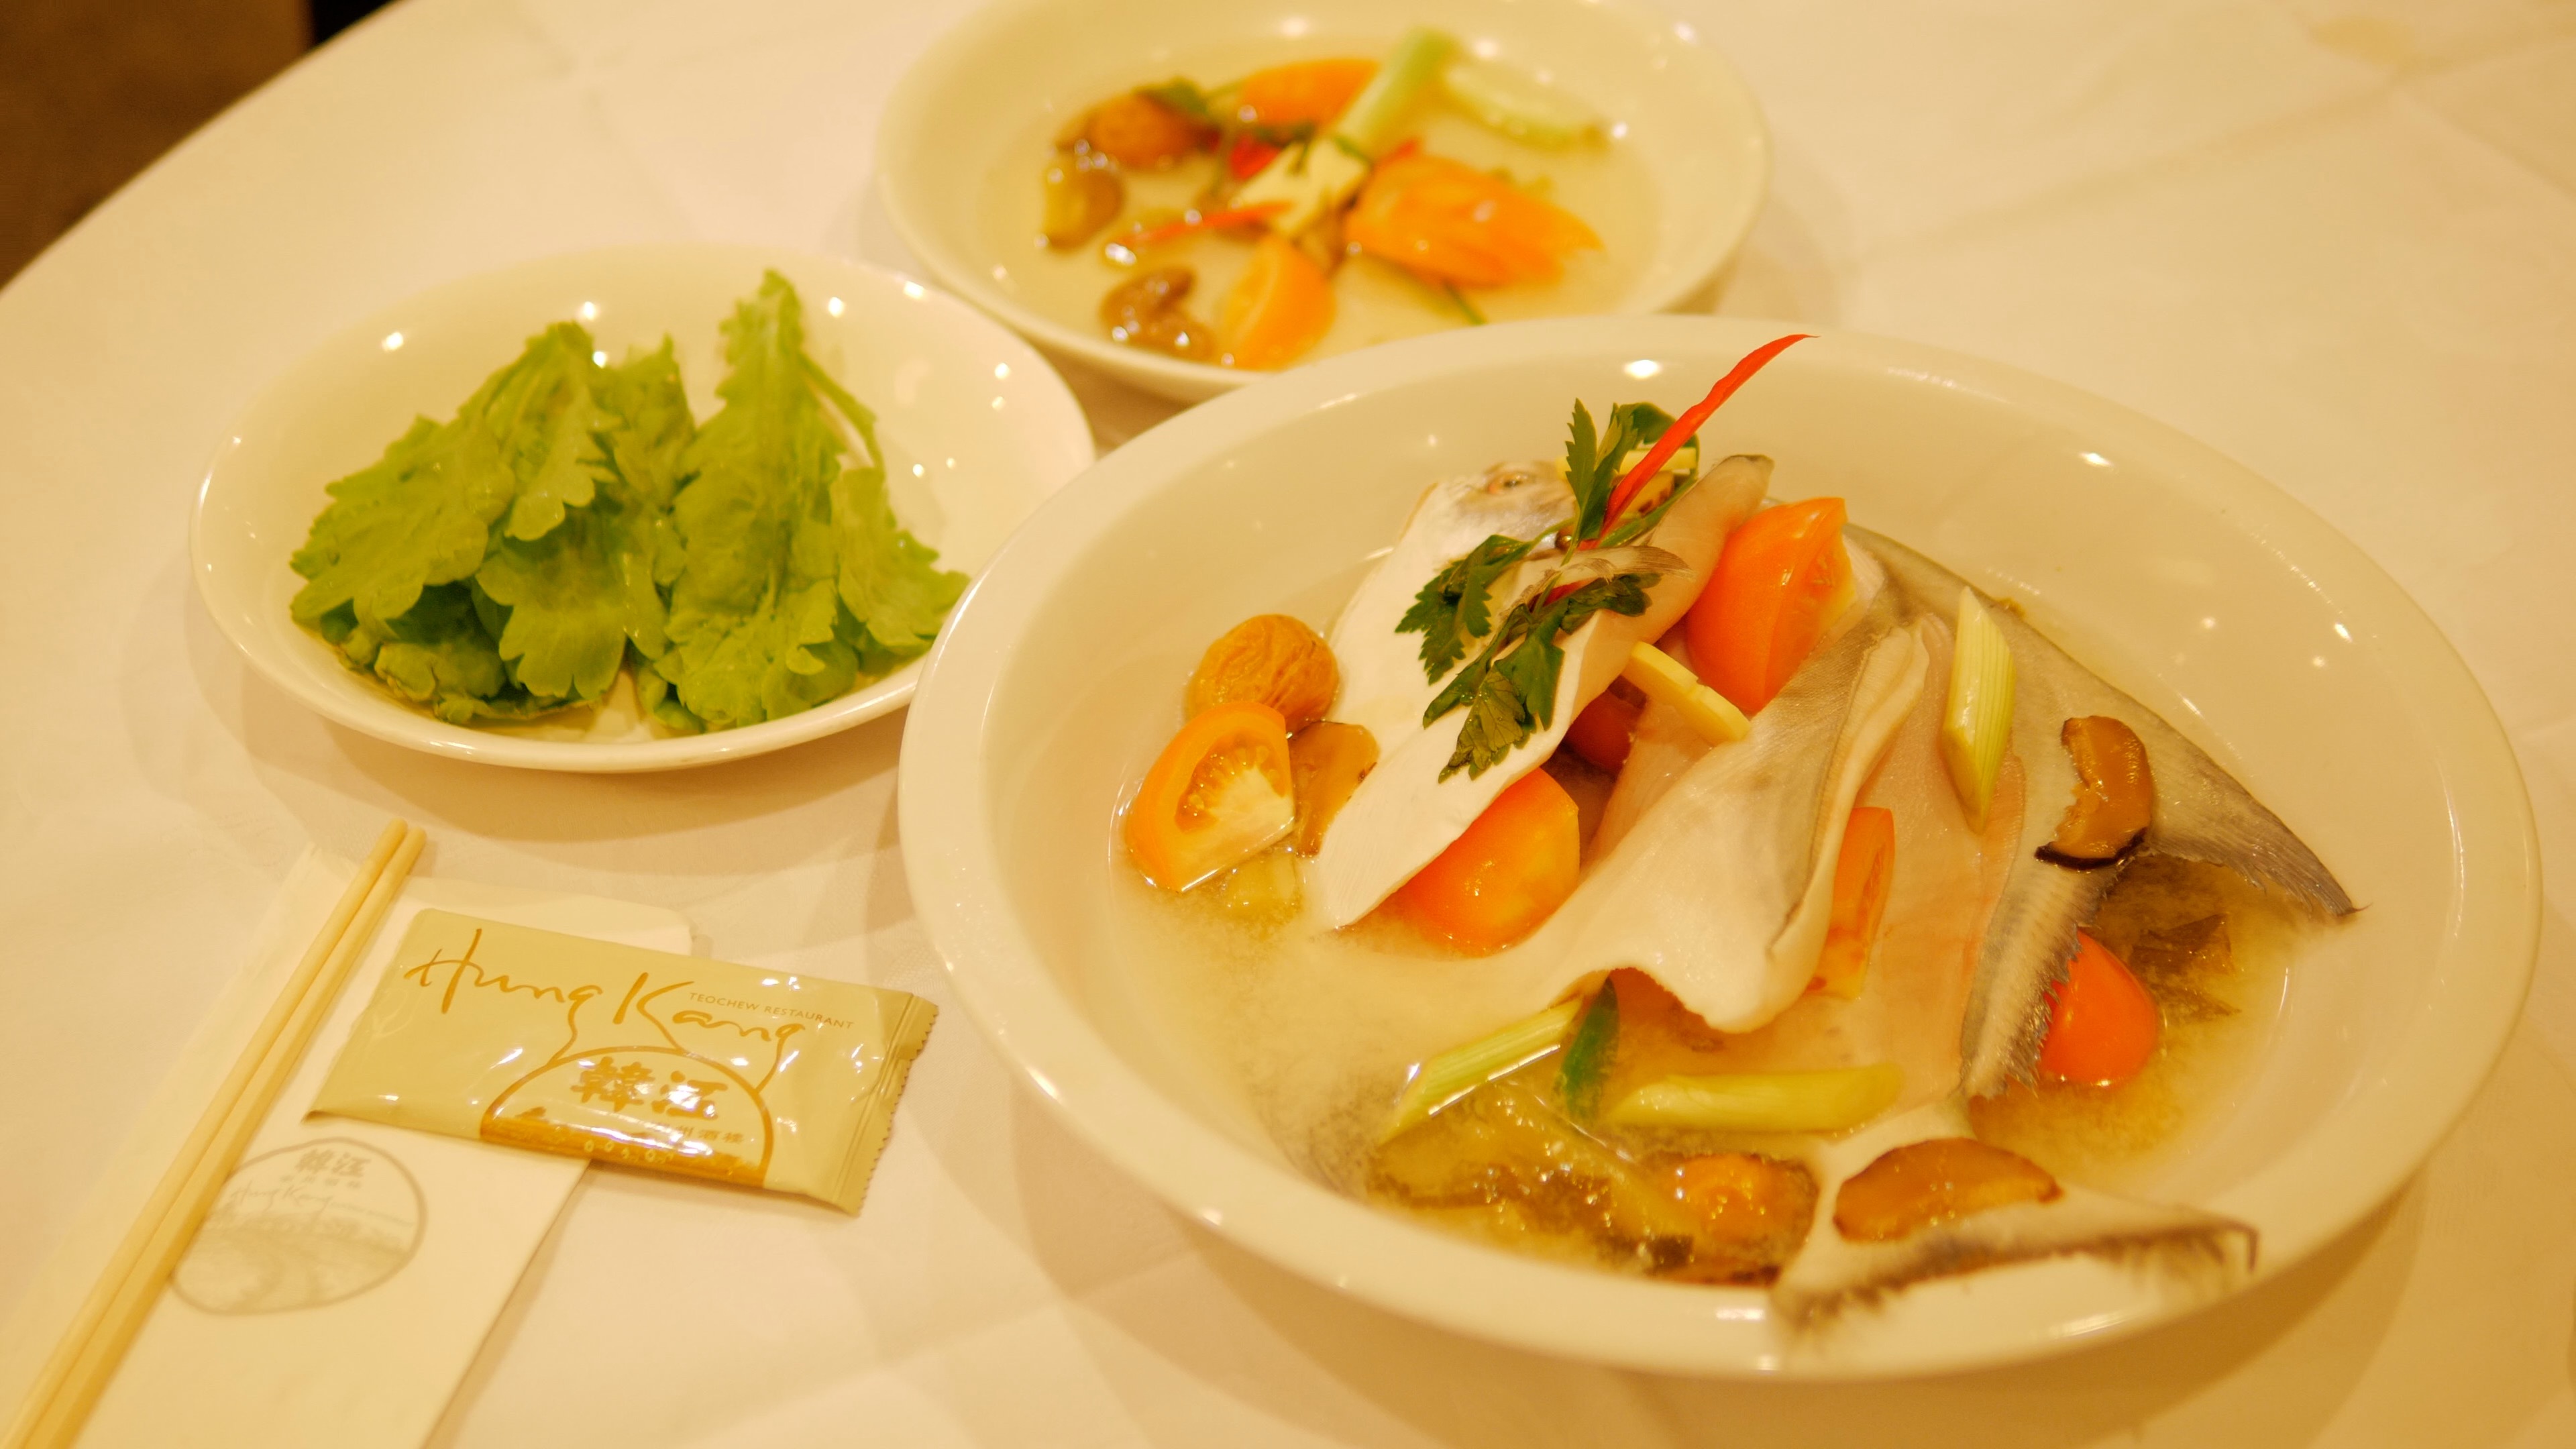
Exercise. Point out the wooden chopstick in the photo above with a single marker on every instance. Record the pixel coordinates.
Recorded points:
(85, 1358)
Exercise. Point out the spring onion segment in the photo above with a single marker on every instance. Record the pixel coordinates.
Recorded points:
(1667, 680)
(1309, 181)
(1827, 1101)
(1976, 727)
(1454, 1073)
(1517, 104)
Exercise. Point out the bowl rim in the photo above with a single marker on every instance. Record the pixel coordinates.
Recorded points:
(1053, 423)
(907, 119)
(2354, 1159)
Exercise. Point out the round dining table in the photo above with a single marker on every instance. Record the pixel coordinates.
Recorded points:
(2334, 238)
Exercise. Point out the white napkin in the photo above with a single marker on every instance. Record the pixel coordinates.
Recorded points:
(348, 1273)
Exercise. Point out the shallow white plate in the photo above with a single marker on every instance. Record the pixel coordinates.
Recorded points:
(2185, 579)
(977, 430)
(965, 110)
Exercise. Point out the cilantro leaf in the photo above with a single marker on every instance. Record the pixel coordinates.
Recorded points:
(1451, 611)
(1583, 471)
(1509, 690)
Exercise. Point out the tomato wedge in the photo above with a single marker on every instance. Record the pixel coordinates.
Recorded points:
(1861, 877)
(1282, 305)
(1451, 222)
(1218, 795)
(2102, 1024)
(1605, 729)
(1778, 581)
(1507, 874)
(1305, 92)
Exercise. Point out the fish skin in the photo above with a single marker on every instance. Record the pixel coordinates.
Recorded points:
(2201, 813)
(1404, 813)
(1763, 820)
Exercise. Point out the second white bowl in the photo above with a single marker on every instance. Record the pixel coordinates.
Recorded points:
(966, 109)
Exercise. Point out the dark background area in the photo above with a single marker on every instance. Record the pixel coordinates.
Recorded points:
(92, 91)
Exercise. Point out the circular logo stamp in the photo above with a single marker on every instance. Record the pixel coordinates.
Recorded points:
(303, 1226)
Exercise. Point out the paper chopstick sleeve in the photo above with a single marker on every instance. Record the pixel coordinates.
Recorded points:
(670, 1063)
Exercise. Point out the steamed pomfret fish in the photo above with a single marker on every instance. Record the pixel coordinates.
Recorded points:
(1404, 814)
(2201, 813)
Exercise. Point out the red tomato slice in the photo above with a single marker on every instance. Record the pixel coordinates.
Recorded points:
(1218, 795)
(2102, 1025)
(1605, 729)
(1777, 580)
(1508, 873)
(1862, 874)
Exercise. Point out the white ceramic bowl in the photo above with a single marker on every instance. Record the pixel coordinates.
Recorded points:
(965, 110)
(977, 430)
(2175, 572)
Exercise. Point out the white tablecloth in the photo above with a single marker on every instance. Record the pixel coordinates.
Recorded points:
(2336, 238)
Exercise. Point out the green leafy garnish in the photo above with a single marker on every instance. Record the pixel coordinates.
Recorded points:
(423, 514)
(1592, 463)
(1509, 690)
(1451, 610)
(582, 592)
(1638, 525)
(1586, 1067)
(1184, 96)
(514, 559)
(793, 574)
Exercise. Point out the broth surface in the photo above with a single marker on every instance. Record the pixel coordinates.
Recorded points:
(1604, 182)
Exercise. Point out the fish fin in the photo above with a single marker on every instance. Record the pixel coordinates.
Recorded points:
(2202, 813)
(1833, 1275)
(2204, 1251)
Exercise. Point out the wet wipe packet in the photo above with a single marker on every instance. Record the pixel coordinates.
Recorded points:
(672, 1063)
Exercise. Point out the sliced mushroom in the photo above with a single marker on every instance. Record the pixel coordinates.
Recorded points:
(2115, 798)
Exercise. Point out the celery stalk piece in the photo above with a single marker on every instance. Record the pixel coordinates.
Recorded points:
(1667, 680)
(1517, 104)
(1311, 180)
(1826, 1101)
(1976, 727)
(1454, 1073)
(1378, 111)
